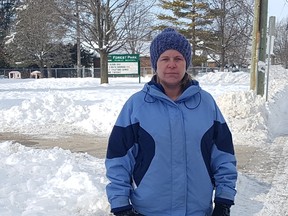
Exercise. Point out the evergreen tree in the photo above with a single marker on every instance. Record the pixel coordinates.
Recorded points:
(86, 56)
(191, 18)
(220, 29)
(7, 14)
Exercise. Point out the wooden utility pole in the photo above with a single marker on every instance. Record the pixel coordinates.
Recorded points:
(255, 45)
(262, 47)
(258, 55)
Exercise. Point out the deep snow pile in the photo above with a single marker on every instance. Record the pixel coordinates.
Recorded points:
(250, 114)
(57, 182)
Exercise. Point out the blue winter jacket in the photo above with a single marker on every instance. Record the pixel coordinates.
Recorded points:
(166, 157)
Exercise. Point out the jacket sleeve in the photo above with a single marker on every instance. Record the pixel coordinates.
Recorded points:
(223, 162)
(120, 161)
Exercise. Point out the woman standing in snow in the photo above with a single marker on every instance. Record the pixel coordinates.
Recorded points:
(171, 147)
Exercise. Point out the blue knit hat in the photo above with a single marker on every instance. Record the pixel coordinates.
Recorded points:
(169, 39)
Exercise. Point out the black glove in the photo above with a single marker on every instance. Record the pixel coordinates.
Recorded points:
(221, 210)
(127, 213)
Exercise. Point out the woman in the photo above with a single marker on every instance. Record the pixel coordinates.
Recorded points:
(170, 148)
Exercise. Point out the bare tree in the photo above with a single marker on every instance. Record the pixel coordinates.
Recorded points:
(105, 26)
(139, 30)
(281, 43)
(233, 28)
(37, 36)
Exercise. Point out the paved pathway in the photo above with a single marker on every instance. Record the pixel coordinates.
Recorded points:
(93, 145)
(258, 162)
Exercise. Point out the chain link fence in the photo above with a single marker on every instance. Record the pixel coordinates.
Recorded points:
(63, 72)
(53, 72)
(96, 72)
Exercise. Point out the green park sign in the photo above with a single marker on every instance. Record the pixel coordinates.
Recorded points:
(124, 64)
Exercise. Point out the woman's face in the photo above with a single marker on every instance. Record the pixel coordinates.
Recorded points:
(171, 68)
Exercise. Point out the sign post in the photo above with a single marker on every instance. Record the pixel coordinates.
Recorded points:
(270, 48)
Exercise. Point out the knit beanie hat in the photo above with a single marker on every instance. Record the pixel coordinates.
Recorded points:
(169, 39)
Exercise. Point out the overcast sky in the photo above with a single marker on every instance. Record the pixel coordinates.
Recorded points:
(278, 8)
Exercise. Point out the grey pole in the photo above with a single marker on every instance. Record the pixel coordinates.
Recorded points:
(270, 46)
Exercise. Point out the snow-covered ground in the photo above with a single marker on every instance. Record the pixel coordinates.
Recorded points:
(57, 182)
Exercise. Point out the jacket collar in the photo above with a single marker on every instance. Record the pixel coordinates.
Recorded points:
(156, 90)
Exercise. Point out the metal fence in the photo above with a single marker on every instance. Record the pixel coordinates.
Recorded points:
(95, 72)
(65, 72)
(53, 72)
